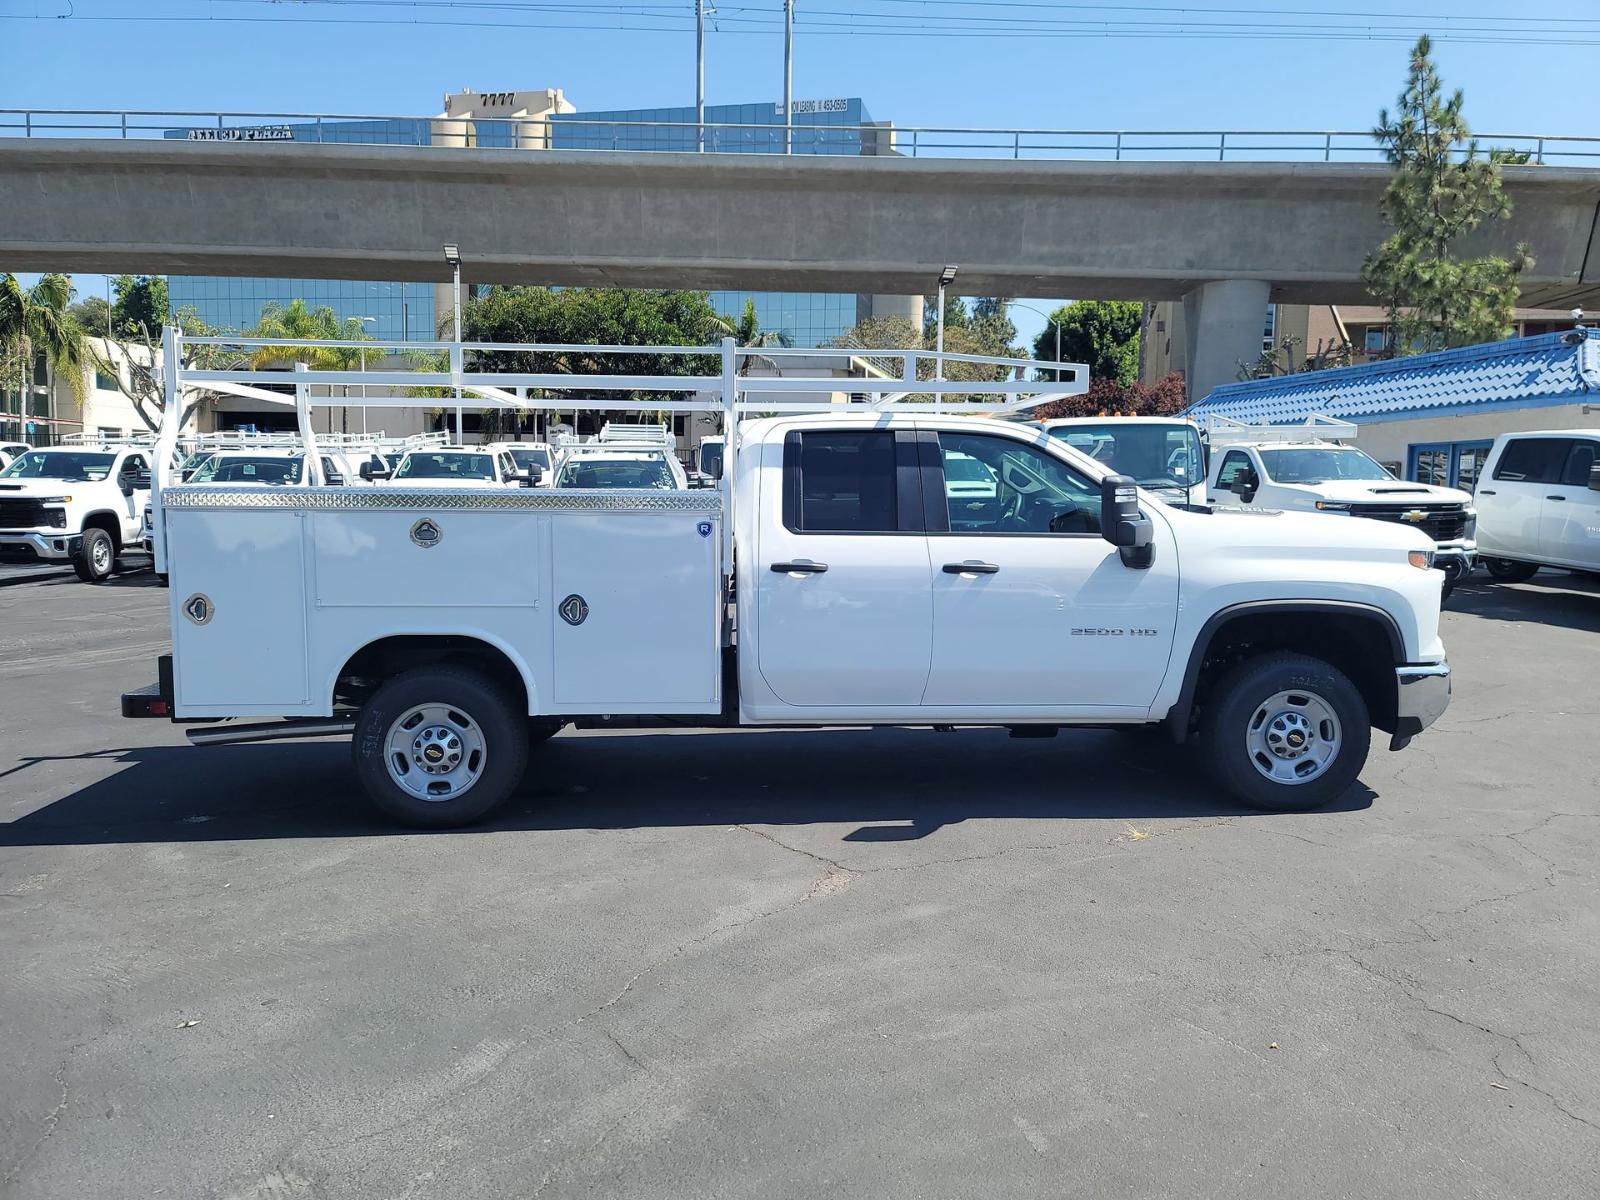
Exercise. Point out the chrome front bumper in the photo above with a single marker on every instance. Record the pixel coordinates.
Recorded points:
(44, 545)
(1422, 695)
(1456, 559)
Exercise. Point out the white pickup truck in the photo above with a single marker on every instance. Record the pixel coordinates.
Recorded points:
(832, 579)
(81, 504)
(1296, 468)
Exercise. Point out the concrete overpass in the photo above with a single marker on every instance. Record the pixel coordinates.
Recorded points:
(1226, 237)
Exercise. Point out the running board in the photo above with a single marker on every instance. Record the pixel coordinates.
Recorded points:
(271, 731)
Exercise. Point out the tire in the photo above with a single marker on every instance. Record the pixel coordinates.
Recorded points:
(452, 715)
(1446, 588)
(1504, 570)
(96, 556)
(1260, 706)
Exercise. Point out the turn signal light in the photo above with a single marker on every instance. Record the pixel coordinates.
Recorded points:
(1421, 559)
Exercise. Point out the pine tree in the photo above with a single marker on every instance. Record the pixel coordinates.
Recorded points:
(1442, 189)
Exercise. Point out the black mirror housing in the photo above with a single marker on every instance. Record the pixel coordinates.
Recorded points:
(1594, 478)
(1123, 523)
(370, 471)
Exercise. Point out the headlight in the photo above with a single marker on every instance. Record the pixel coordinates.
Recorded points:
(1470, 529)
(1332, 506)
(1421, 559)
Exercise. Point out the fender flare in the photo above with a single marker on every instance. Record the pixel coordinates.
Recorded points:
(1178, 715)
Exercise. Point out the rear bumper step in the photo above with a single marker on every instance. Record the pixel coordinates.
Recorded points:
(155, 700)
(272, 731)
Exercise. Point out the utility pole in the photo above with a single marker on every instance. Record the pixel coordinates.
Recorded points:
(788, 76)
(700, 74)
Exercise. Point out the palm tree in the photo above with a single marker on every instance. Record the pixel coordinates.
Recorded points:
(298, 322)
(747, 334)
(35, 323)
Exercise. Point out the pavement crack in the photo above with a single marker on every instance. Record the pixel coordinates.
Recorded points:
(52, 1121)
(611, 1036)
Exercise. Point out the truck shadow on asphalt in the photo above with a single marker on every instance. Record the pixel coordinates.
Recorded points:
(891, 785)
(1553, 598)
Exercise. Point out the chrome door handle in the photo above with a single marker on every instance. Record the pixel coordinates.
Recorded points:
(971, 568)
(800, 568)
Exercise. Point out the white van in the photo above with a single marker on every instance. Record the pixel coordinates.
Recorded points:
(1539, 503)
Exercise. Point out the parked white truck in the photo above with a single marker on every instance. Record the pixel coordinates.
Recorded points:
(1310, 468)
(81, 504)
(833, 578)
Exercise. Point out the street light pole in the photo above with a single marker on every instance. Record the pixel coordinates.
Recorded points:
(452, 255)
(700, 74)
(788, 76)
(946, 278)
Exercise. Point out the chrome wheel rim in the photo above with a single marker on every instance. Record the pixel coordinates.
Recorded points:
(435, 752)
(1293, 737)
(100, 555)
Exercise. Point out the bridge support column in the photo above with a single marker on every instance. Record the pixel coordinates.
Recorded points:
(1223, 324)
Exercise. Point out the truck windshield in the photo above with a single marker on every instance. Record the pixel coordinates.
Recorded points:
(626, 473)
(528, 460)
(60, 464)
(1319, 465)
(279, 469)
(446, 465)
(1159, 454)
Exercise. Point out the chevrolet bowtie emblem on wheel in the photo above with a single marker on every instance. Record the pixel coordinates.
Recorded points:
(198, 608)
(574, 610)
(426, 533)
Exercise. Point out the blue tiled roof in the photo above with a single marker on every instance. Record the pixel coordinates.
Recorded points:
(1525, 372)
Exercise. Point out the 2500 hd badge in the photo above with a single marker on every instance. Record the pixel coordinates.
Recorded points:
(1114, 632)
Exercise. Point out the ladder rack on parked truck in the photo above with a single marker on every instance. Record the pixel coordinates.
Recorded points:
(1225, 431)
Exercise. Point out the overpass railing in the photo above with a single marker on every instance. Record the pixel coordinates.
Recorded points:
(569, 131)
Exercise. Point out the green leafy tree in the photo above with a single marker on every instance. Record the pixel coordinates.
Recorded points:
(93, 315)
(141, 306)
(1102, 333)
(1442, 189)
(35, 324)
(297, 321)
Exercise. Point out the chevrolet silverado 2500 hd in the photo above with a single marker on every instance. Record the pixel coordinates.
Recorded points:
(836, 577)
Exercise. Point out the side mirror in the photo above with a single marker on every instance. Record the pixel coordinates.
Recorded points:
(1123, 524)
(140, 480)
(1594, 478)
(336, 480)
(529, 478)
(1245, 484)
(374, 470)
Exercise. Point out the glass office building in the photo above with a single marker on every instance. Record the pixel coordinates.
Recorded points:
(402, 311)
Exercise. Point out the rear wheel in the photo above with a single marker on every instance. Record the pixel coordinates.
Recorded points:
(1286, 732)
(96, 556)
(439, 747)
(1504, 570)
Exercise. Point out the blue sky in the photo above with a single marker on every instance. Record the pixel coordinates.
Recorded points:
(1334, 72)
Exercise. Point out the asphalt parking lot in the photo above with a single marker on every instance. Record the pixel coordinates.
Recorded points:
(821, 963)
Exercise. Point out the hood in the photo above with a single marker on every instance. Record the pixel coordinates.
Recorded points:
(1311, 535)
(33, 489)
(1378, 491)
(451, 484)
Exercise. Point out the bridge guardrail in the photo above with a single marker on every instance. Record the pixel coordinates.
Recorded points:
(573, 131)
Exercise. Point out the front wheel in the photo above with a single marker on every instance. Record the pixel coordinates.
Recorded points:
(1286, 732)
(96, 556)
(1504, 570)
(439, 747)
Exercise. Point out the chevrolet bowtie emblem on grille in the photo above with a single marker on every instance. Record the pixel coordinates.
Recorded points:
(1415, 516)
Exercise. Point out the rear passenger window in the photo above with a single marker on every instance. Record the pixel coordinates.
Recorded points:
(1532, 460)
(846, 483)
(1579, 461)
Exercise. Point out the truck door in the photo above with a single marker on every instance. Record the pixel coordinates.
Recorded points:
(1220, 491)
(1034, 613)
(1510, 515)
(843, 595)
(133, 479)
(1569, 523)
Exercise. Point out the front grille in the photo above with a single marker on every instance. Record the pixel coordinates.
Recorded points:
(1443, 523)
(30, 514)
